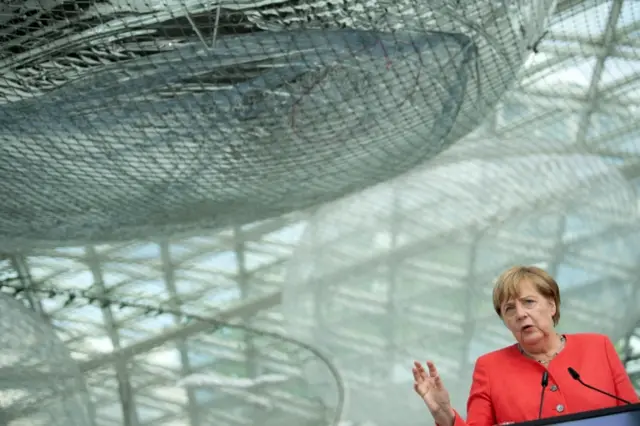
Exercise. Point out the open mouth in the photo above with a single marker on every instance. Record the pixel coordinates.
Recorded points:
(527, 327)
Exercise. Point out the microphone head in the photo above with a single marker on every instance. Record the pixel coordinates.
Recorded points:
(545, 379)
(573, 373)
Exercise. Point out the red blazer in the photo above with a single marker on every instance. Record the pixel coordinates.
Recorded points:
(506, 384)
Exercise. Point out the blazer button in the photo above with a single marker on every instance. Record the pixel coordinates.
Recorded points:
(560, 408)
(553, 388)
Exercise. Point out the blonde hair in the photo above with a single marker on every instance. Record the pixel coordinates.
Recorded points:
(508, 285)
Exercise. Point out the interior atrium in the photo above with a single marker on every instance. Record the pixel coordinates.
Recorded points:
(260, 258)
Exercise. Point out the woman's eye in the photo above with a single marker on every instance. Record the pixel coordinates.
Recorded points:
(529, 302)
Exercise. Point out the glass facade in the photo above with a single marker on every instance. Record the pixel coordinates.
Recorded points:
(317, 315)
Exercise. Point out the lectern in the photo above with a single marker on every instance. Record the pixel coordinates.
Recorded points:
(627, 415)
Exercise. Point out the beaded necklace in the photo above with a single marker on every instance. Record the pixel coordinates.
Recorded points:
(544, 361)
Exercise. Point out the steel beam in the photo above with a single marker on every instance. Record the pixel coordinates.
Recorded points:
(181, 344)
(608, 42)
(243, 282)
(19, 263)
(125, 390)
(246, 308)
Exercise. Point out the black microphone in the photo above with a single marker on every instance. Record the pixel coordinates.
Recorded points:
(544, 383)
(576, 376)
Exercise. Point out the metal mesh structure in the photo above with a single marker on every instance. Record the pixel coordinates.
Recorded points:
(126, 119)
(206, 371)
(146, 362)
(393, 285)
(404, 270)
(41, 385)
(206, 379)
(540, 164)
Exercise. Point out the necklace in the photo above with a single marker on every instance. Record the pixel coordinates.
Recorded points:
(544, 361)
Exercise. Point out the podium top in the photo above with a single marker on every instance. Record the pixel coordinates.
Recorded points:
(626, 415)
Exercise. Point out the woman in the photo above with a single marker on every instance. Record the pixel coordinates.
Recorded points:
(507, 383)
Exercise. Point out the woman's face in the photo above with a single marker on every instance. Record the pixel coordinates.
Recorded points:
(529, 316)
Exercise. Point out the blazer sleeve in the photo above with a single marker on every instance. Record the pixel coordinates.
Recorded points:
(623, 385)
(479, 406)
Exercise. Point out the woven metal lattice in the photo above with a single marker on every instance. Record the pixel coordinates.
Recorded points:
(41, 383)
(404, 271)
(224, 387)
(123, 118)
(210, 373)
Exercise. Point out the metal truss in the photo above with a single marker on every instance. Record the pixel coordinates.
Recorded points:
(239, 274)
(207, 275)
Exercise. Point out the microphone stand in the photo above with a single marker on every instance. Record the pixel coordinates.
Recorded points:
(544, 383)
(574, 374)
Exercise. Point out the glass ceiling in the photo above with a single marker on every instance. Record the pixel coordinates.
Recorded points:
(215, 355)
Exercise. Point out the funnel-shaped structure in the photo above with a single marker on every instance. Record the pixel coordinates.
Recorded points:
(124, 119)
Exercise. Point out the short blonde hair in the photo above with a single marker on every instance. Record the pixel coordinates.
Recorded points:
(508, 287)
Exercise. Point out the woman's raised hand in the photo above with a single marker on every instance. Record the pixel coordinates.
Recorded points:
(430, 388)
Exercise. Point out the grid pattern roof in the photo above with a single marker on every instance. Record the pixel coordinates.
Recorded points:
(142, 317)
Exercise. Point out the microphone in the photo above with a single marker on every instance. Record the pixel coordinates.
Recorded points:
(576, 376)
(544, 383)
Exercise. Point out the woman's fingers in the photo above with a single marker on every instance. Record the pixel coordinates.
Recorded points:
(433, 373)
(421, 378)
(423, 381)
(438, 382)
(423, 373)
(432, 369)
(419, 371)
(416, 376)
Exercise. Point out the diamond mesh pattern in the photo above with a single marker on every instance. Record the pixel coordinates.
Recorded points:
(122, 119)
(404, 271)
(235, 376)
(41, 383)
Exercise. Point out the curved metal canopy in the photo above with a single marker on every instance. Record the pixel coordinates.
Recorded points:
(579, 95)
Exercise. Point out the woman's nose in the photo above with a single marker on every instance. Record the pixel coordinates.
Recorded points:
(520, 312)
